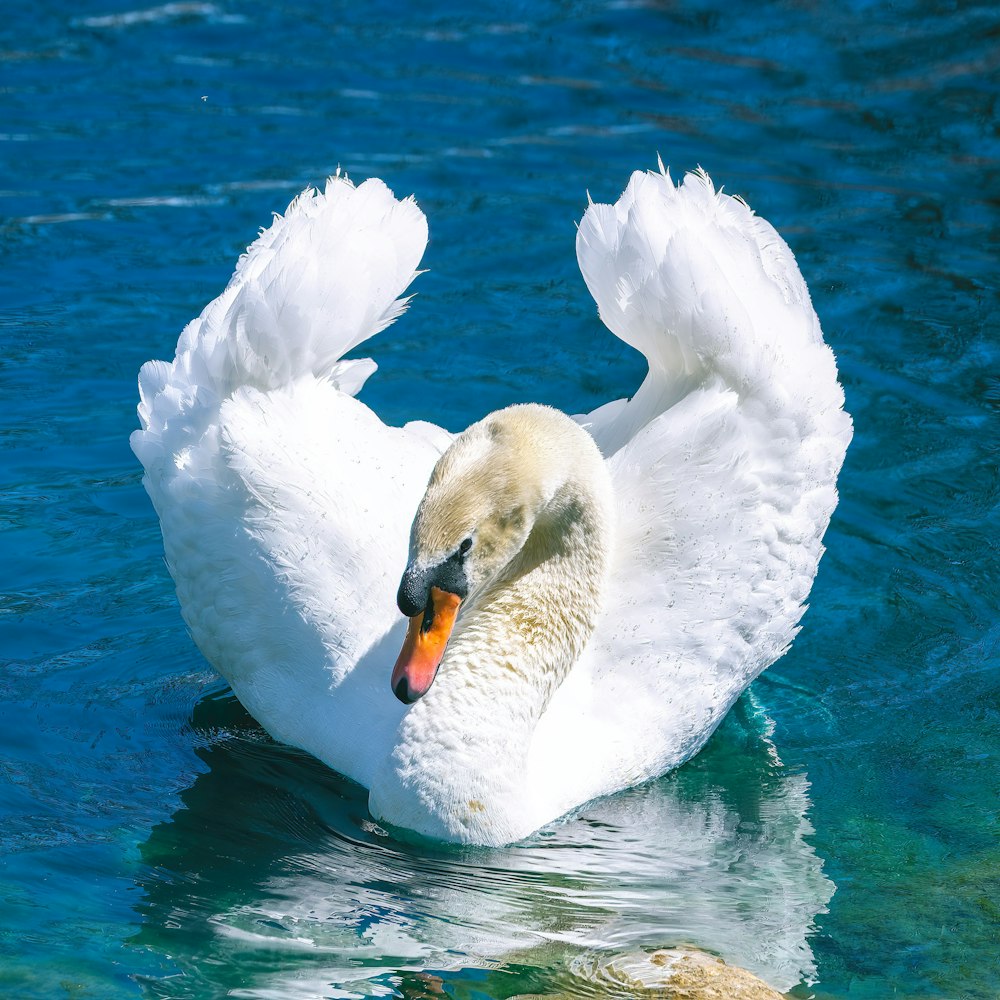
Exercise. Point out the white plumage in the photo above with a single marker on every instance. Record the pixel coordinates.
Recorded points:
(285, 503)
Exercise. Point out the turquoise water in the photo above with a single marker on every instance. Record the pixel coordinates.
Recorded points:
(839, 835)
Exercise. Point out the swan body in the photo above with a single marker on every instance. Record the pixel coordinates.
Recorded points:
(587, 596)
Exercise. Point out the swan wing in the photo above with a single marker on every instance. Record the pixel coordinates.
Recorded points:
(284, 501)
(724, 466)
(325, 524)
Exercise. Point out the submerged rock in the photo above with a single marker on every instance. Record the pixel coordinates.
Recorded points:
(671, 973)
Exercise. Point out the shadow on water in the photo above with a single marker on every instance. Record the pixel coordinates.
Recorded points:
(271, 880)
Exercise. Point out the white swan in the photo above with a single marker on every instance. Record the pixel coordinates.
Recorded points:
(606, 611)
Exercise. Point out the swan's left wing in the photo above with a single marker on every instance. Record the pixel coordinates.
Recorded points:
(724, 465)
(706, 589)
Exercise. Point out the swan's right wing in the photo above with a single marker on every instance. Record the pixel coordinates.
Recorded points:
(327, 493)
(325, 276)
(724, 465)
(284, 502)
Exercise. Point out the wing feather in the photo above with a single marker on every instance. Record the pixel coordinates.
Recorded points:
(724, 466)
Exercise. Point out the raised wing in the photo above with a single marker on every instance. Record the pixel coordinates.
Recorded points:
(724, 465)
(284, 502)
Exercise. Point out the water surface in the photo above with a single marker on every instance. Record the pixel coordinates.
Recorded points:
(839, 834)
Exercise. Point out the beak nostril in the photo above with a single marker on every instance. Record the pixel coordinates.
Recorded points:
(428, 622)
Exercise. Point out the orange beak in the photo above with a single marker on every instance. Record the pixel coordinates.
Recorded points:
(424, 646)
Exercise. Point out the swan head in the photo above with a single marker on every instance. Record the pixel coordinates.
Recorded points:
(478, 525)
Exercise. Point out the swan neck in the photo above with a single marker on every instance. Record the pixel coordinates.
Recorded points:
(460, 770)
(533, 621)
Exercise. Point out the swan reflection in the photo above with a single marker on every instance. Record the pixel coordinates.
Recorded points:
(272, 881)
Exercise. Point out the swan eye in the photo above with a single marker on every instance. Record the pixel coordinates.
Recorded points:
(465, 546)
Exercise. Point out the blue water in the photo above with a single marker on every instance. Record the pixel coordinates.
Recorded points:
(839, 835)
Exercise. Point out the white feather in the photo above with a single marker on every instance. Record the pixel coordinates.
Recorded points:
(724, 465)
